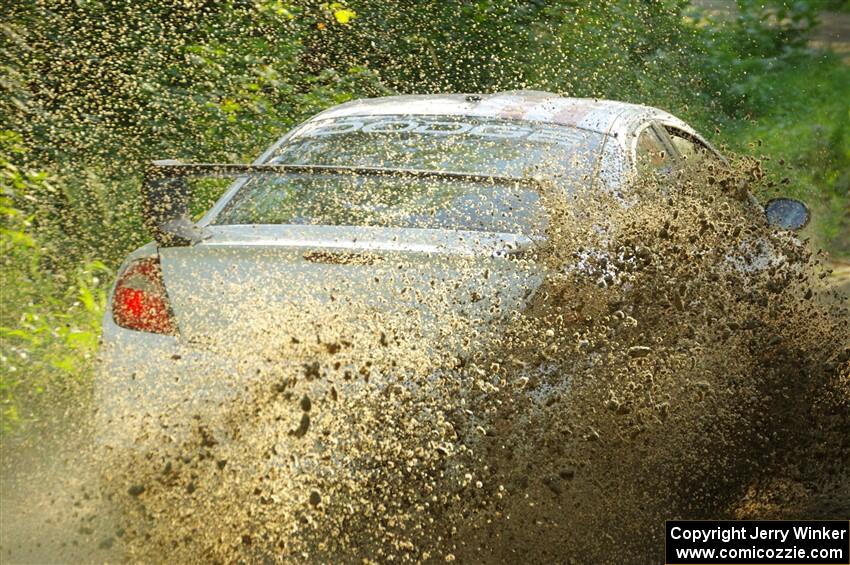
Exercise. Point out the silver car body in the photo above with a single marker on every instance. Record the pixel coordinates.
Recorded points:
(218, 287)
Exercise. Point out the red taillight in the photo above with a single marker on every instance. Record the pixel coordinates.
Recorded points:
(140, 301)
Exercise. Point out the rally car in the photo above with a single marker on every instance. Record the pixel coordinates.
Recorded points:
(430, 184)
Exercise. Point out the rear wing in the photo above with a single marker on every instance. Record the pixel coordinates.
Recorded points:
(166, 194)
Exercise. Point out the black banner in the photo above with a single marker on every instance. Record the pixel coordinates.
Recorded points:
(745, 542)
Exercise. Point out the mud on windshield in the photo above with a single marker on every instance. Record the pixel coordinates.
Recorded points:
(513, 148)
(387, 201)
(459, 144)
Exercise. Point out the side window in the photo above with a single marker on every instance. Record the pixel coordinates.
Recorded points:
(689, 150)
(652, 153)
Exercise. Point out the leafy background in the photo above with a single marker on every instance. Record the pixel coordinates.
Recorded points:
(93, 89)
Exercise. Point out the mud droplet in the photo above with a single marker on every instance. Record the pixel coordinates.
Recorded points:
(311, 370)
(136, 490)
(302, 427)
(639, 351)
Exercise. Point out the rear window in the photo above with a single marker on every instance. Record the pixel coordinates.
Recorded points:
(456, 144)
(446, 143)
(342, 199)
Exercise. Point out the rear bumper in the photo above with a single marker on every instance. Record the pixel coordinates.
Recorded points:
(146, 379)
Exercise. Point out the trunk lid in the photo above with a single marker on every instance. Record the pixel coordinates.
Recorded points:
(264, 287)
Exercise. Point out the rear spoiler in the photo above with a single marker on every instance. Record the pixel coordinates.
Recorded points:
(166, 195)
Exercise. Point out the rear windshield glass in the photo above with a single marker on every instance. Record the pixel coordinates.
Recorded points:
(458, 144)
(446, 143)
(386, 201)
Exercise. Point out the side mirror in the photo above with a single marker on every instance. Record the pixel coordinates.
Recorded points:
(787, 213)
(165, 208)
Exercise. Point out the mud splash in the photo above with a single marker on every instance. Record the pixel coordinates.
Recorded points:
(680, 359)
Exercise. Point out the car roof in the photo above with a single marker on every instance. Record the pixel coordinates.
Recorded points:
(603, 116)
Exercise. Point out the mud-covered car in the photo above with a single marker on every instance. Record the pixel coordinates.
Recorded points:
(328, 214)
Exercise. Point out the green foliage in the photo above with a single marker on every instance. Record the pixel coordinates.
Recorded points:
(624, 49)
(836, 5)
(806, 134)
(776, 27)
(49, 323)
(125, 82)
(738, 57)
